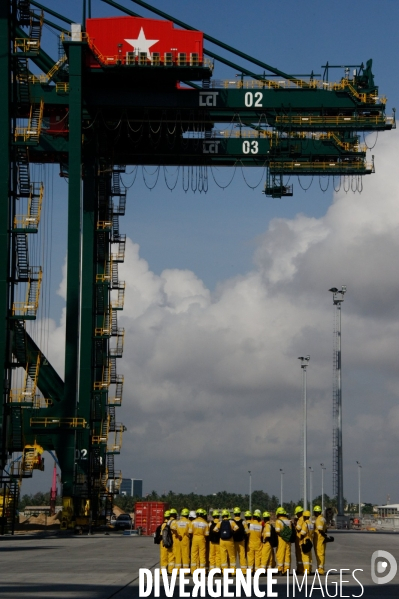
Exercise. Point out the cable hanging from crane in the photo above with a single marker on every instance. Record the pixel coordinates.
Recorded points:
(157, 171)
(135, 170)
(328, 182)
(263, 175)
(228, 184)
(339, 186)
(373, 146)
(305, 188)
(166, 180)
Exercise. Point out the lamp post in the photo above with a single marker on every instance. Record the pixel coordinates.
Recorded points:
(304, 365)
(322, 487)
(250, 490)
(311, 489)
(338, 486)
(281, 486)
(358, 478)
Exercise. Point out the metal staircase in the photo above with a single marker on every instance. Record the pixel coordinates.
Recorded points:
(22, 160)
(118, 304)
(9, 499)
(22, 79)
(26, 395)
(35, 121)
(35, 32)
(120, 208)
(112, 421)
(29, 222)
(119, 256)
(115, 227)
(27, 310)
(116, 400)
(117, 351)
(24, 12)
(116, 443)
(30, 44)
(112, 370)
(31, 376)
(114, 323)
(21, 248)
(115, 275)
(32, 132)
(20, 342)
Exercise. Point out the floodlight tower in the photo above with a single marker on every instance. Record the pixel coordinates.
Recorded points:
(338, 298)
(304, 365)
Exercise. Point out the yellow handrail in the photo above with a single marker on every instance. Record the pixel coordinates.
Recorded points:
(53, 421)
(322, 166)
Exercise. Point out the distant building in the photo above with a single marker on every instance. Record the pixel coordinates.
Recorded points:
(388, 516)
(388, 511)
(35, 510)
(132, 487)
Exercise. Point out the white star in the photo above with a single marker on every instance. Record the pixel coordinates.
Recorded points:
(141, 44)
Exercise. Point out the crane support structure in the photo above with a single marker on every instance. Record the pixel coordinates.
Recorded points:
(125, 91)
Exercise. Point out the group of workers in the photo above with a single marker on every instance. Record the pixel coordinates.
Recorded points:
(250, 542)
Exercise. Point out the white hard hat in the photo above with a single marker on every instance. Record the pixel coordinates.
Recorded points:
(192, 514)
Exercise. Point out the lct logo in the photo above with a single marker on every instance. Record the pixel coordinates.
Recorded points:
(379, 564)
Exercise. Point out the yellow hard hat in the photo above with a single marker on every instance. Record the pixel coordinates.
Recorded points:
(307, 513)
(237, 510)
(184, 512)
(225, 513)
(215, 513)
(166, 514)
(199, 511)
(248, 514)
(298, 509)
(173, 511)
(266, 514)
(257, 513)
(317, 508)
(280, 510)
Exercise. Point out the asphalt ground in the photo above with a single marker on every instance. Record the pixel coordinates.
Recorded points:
(107, 566)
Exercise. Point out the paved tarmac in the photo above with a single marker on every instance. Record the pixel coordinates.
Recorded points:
(107, 566)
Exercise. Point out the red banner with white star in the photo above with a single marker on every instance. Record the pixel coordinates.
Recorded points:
(117, 36)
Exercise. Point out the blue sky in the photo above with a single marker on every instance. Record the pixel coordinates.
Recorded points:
(226, 250)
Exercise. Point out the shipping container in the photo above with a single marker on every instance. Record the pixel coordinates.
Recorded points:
(148, 515)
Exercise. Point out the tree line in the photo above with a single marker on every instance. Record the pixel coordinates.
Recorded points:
(36, 499)
(259, 500)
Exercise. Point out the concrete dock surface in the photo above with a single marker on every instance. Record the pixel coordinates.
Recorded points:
(107, 566)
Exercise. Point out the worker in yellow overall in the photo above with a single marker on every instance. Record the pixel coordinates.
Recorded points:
(298, 522)
(320, 538)
(267, 556)
(254, 552)
(306, 541)
(199, 530)
(163, 552)
(240, 538)
(226, 528)
(284, 530)
(181, 540)
(214, 542)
